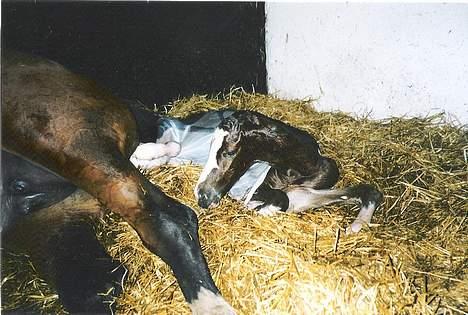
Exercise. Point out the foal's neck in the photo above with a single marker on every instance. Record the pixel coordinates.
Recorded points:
(285, 150)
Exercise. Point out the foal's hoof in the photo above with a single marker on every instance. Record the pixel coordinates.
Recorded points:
(269, 210)
(355, 227)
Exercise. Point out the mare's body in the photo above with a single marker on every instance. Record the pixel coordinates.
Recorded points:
(80, 132)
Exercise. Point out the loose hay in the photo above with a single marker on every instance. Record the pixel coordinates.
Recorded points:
(413, 259)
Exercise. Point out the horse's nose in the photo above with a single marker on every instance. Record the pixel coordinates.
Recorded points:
(203, 200)
(208, 198)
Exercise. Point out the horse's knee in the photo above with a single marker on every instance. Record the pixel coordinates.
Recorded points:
(124, 195)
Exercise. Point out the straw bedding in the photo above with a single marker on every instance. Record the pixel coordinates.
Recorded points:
(413, 259)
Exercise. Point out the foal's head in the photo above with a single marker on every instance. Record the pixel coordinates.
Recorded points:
(233, 150)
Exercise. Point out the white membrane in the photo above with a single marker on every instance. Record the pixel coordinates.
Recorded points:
(150, 151)
(249, 182)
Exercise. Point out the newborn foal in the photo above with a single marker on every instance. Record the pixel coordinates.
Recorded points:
(300, 178)
(267, 164)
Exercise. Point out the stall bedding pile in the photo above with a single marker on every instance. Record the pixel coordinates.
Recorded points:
(413, 258)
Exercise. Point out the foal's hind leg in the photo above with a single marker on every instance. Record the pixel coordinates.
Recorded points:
(315, 192)
(302, 198)
(297, 195)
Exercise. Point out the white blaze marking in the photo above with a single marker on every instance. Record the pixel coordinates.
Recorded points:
(212, 163)
(364, 218)
(209, 303)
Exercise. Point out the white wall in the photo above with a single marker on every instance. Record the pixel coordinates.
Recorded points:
(387, 58)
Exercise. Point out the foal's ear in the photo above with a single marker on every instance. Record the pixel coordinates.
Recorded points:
(231, 124)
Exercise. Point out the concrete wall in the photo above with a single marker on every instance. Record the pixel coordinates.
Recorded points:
(385, 58)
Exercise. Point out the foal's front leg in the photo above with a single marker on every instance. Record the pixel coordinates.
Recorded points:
(268, 200)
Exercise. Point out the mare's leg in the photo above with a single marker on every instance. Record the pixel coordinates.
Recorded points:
(95, 162)
(167, 228)
(72, 127)
(61, 243)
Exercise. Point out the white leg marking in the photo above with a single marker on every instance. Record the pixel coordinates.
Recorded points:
(301, 199)
(304, 198)
(269, 210)
(364, 218)
(209, 303)
(212, 163)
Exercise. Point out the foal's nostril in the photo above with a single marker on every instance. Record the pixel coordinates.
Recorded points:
(203, 200)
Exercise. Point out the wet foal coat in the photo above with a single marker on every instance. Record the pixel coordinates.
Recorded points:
(269, 165)
(191, 137)
(300, 178)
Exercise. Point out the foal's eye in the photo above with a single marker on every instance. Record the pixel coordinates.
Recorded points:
(19, 186)
(228, 153)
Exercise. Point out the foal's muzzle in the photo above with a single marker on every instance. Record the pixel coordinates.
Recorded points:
(208, 197)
